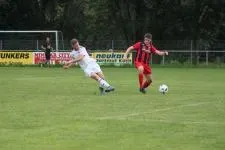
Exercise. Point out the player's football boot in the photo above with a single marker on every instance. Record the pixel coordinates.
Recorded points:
(142, 90)
(110, 89)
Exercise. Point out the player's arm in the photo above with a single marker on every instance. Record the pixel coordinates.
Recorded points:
(160, 53)
(43, 47)
(128, 51)
(73, 61)
(67, 65)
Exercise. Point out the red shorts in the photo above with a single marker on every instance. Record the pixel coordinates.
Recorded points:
(147, 68)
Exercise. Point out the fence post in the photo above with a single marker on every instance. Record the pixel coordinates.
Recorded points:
(197, 52)
(112, 44)
(207, 58)
(37, 45)
(191, 50)
(0, 44)
(163, 59)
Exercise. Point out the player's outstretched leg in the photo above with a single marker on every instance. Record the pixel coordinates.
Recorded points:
(141, 78)
(101, 88)
(109, 88)
(104, 86)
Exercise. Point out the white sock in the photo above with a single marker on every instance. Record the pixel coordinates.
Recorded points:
(103, 83)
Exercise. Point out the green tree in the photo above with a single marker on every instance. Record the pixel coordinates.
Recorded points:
(97, 20)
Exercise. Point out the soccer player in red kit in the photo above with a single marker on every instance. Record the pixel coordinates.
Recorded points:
(144, 50)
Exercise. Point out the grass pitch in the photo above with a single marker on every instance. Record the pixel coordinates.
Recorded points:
(56, 109)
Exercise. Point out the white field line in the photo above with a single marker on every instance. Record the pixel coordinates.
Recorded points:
(125, 117)
(180, 121)
(149, 112)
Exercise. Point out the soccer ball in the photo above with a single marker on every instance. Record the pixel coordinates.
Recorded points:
(163, 89)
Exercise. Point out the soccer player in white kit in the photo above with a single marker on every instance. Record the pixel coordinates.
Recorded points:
(88, 65)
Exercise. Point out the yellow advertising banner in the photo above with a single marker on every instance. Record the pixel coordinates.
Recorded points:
(111, 58)
(16, 57)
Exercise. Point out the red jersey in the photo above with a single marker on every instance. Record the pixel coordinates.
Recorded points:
(143, 52)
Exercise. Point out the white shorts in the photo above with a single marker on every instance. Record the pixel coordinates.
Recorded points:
(91, 68)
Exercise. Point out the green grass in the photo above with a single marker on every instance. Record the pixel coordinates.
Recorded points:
(56, 109)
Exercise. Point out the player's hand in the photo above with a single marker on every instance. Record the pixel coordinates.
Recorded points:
(166, 53)
(125, 57)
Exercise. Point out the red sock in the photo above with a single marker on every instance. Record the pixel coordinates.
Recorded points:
(146, 84)
(141, 77)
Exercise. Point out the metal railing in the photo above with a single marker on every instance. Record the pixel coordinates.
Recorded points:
(35, 44)
(186, 57)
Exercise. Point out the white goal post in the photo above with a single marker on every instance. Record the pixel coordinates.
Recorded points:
(38, 31)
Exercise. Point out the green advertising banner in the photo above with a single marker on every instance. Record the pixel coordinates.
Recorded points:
(116, 58)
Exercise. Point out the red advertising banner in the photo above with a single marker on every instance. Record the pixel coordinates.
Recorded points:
(56, 57)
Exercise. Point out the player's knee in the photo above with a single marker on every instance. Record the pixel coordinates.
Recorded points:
(93, 75)
(140, 70)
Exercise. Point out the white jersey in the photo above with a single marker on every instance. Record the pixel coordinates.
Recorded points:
(86, 60)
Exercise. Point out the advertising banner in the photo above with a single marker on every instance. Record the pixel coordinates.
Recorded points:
(102, 58)
(16, 57)
(116, 58)
(56, 57)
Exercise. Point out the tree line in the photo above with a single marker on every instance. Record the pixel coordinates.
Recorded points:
(119, 19)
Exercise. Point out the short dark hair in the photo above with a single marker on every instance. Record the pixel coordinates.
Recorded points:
(73, 41)
(148, 35)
